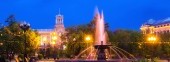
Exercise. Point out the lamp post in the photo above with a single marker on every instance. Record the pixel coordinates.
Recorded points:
(25, 27)
(44, 40)
(152, 40)
(54, 56)
(1, 50)
(54, 38)
(88, 40)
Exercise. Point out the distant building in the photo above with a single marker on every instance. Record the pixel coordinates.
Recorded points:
(156, 27)
(52, 36)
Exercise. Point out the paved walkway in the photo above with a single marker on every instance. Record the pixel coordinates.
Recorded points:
(43, 60)
(46, 60)
(52, 60)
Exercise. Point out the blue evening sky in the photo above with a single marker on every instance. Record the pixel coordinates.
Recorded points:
(120, 14)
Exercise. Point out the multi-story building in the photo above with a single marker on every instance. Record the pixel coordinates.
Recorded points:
(52, 36)
(156, 27)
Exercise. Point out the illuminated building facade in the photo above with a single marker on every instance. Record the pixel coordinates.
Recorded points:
(152, 27)
(52, 36)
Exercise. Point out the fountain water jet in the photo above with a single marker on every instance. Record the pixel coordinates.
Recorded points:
(99, 29)
(100, 36)
(100, 50)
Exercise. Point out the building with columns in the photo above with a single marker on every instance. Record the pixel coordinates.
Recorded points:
(52, 36)
(156, 27)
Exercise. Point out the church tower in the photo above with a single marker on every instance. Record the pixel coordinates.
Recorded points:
(59, 25)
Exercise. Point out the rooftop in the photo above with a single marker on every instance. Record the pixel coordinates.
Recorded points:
(159, 22)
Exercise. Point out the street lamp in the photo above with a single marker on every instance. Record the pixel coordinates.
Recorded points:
(44, 40)
(25, 27)
(53, 42)
(54, 56)
(152, 39)
(1, 44)
(88, 38)
(54, 38)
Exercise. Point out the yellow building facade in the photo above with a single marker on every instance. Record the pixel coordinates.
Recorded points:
(157, 27)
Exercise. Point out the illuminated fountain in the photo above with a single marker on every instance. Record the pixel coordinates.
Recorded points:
(100, 37)
(102, 50)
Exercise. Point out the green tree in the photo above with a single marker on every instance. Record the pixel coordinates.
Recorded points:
(126, 39)
(165, 44)
(75, 38)
(12, 37)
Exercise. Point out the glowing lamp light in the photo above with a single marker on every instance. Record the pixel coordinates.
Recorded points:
(53, 42)
(42, 43)
(88, 38)
(64, 47)
(1, 43)
(54, 38)
(152, 39)
(44, 38)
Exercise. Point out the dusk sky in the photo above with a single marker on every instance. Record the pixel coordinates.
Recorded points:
(120, 14)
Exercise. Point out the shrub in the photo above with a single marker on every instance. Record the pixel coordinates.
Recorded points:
(2, 58)
(40, 56)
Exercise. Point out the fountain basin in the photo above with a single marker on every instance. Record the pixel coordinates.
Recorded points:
(101, 55)
(102, 46)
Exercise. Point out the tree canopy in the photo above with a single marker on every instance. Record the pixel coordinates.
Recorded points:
(13, 38)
